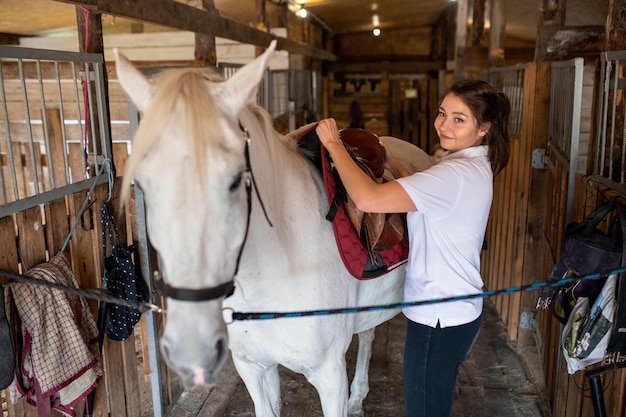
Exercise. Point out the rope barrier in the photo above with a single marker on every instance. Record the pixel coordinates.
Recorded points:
(97, 294)
(238, 316)
(103, 295)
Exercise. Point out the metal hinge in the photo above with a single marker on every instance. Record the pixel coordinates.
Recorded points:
(539, 159)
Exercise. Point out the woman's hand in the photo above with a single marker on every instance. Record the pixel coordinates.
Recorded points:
(328, 132)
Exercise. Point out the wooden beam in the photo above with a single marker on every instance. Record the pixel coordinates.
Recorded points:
(568, 42)
(181, 16)
(404, 66)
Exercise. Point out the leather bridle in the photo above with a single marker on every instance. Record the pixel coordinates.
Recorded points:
(226, 289)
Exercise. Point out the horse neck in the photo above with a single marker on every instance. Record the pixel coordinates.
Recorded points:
(287, 183)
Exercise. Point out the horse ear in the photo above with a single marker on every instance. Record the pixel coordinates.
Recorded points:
(138, 88)
(243, 85)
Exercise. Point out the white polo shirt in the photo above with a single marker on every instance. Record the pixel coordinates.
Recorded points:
(446, 233)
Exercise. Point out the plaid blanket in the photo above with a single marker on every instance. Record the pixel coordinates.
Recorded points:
(60, 360)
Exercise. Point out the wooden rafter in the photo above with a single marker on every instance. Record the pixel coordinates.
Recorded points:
(181, 16)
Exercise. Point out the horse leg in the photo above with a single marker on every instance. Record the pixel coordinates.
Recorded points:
(360, 383)
(331, 383)
(263, 384)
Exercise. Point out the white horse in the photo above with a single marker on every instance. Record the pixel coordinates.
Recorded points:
(205, 219)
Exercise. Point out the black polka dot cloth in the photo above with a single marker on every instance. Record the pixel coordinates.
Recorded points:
(121, 281)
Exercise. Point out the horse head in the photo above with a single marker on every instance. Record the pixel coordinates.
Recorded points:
(189, 158)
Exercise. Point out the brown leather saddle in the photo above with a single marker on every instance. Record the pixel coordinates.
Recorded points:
(378, 231)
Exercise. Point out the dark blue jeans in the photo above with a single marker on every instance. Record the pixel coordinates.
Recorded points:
(432, 357)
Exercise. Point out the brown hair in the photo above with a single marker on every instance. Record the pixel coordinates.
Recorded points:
(488, 105)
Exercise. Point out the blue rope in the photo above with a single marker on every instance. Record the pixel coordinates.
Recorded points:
(530, 287)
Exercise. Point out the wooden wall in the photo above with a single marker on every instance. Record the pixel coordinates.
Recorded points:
(524, 237)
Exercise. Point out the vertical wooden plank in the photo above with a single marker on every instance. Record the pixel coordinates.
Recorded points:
(76, 160)
(56, 160)
(31, 250)
(83, 242)
(9, 254)
(120, 156)
(19, 171)
(31, 238)
(57, 225)
(33, 167)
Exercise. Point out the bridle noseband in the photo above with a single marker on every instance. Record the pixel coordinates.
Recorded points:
(226, 289)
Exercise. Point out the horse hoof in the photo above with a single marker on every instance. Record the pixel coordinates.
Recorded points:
(356, 413)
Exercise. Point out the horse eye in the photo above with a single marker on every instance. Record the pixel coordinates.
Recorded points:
(236, 182)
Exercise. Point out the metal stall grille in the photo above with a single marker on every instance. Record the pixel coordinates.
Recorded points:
(54, 129)
(263, 96)
(509, 80)
(610, 148)
(566, 90)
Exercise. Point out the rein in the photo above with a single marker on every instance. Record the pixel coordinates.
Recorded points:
(226, 289)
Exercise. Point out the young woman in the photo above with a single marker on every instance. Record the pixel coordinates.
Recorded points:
(448, 206)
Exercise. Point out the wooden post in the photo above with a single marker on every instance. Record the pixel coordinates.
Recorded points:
(461, 36)
(615, 26)
(551, 14)
(205, 51)
(497, 33)
(478, 22)
(90, 40)
(261, 23)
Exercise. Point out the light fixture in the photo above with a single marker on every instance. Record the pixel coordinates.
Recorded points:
(375, 23)
(302, 13)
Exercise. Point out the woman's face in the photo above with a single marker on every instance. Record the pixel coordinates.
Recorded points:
(456, 125)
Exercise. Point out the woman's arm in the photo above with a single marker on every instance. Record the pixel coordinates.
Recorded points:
(367, 195)
(392, 164)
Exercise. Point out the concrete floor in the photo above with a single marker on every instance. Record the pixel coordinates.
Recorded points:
(493, 381)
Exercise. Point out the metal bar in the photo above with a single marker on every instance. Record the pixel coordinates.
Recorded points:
(576, 107)
(103, 114)
(79, 116)
(613, 119)
(148, 261)
(92, 123)
(604, 100)
(55, 194)
(28, 125)
(597, 396)
(62, 116)
(8, 132)
(46, 131)
(21, 52)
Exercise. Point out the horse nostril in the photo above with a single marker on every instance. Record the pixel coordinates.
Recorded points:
(219, 346)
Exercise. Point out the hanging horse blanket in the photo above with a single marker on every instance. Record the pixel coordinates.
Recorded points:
(60, 361)
(352, 250)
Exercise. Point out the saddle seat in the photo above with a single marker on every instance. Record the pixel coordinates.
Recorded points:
(379, 231)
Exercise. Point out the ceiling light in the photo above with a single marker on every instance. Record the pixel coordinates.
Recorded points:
(302, 12)
(376, 32)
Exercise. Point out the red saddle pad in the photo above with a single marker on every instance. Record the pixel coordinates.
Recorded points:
(351, 249)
